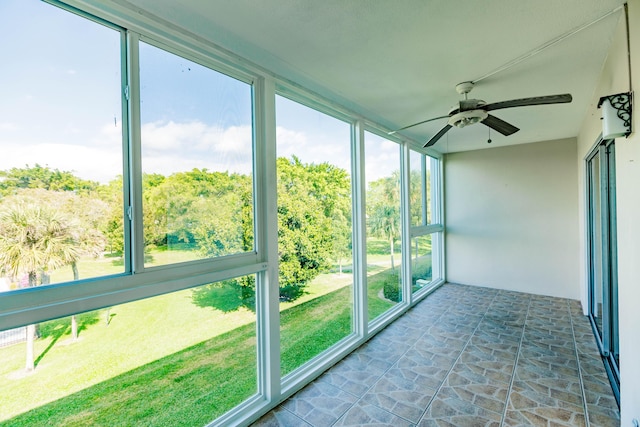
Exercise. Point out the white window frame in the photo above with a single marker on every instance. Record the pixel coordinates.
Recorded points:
(39, 304)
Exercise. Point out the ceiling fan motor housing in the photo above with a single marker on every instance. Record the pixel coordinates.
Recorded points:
(466, 118)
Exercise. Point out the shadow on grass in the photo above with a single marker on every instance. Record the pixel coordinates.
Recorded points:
(55, 329)
(231, 295)
(226, 296)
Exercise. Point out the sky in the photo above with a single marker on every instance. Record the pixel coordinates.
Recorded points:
(60, 106)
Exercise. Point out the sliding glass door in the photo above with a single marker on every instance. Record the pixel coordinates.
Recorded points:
(603, 268)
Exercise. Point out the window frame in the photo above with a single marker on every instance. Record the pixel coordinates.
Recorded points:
(35, 305)
(435, 228)
(32, 305)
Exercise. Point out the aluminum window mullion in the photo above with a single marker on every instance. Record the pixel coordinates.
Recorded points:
(437, 216)
(405, 223)
(134, 209)
(125, 135)
(267, 307)
(436, 190)
(359, 230)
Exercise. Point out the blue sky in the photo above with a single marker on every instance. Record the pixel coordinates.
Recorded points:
(60, 106)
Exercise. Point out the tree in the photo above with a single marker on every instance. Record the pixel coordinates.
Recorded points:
(314, 216)
(88, 216)
(211, 212)
(385, 222)
(112, 226)
(42, 177)
(342, 237)
(383, 210)
(34, 240)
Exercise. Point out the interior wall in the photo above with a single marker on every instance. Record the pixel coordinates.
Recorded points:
(511, 218)
(615, 79)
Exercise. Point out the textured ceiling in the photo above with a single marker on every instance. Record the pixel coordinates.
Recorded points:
(398, 62)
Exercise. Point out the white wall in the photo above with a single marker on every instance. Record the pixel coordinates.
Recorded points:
(614, 79)
(512, 218)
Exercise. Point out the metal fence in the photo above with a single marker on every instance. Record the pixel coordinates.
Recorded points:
(13, 336)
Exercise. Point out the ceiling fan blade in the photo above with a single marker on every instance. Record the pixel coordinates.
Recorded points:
(419, 123)
(438, 135)
(523, 102)
(500, 125)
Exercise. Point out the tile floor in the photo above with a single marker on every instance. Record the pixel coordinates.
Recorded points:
(465, 356)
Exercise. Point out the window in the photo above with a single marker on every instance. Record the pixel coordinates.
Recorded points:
(153, 188)
(384, 234)
(61, 192)
(197, 160)
(314, 231)
(182, 358)
(70, 187)
(426, 232)
(603, 256)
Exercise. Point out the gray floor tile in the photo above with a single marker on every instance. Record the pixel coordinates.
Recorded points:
(280, 417)
(353, 375)
(403, 392)
(451, 411)
(320, 403)
(364, 414)
(465, 357)
(492, 397)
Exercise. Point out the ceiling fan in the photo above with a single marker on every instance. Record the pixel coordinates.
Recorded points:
(471, 111)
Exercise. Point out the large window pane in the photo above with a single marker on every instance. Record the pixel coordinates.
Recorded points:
(417, 205)
(424, 263)
(384, 255)
(314, 231)
(196, 160)
(61, 200)
(420, 182)
(183, 358)
(421, 262)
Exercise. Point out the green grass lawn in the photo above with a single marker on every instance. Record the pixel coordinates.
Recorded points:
(166, 361)
(189, 387)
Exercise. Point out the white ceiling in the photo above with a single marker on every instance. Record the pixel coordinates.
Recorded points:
(397, 62)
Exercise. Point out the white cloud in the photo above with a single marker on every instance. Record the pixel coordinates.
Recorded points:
(235, 139)
(86, 162)
(314, 148)
(7, 127)
(195, 136)
(169, 147)
(288, 139)
(109, 136)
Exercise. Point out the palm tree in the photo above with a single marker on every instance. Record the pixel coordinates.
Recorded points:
(89, 242)
(33, 239)
(385, 222)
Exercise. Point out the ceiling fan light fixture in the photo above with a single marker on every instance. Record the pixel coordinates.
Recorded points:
(466, 118)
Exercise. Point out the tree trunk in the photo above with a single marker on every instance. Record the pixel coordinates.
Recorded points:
(74, 319)
(74, 327)
(31, 335)
(393, 266)
(31, 331)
